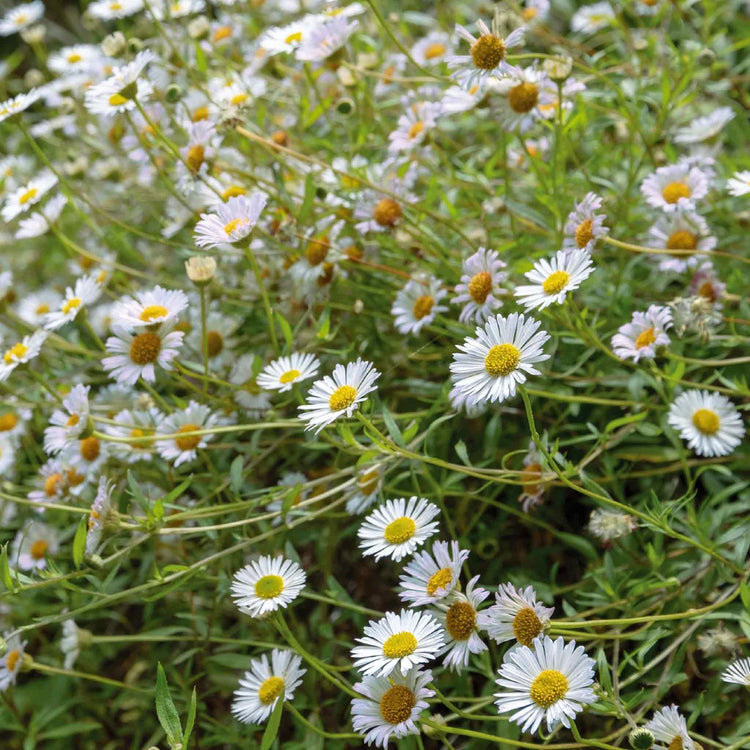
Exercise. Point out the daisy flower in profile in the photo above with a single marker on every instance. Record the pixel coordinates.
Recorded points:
(98, 516)
(479, 290)
(193, 418)
(398, 641)
(264, 684)
(31, 545)
(429, 578)
(24, 197)
(738, 184)
(232, 222)
(21, 352)
(737, 672)
(326, 39)
(417, 304)
(550, 681)
(676, 187)
(21, 17)
(515, 615)
(414, 126)
(397, 527)
(391, 705)
(85, 292)
(68, 423)
(107, 10)
(554, 278)
(670, 729)
(708, 421)
(505, 350)
(11, 662)
(487, 54)
(592, 18)
(267, 584)
(18, 103)
(703, 128)
(117, 93)
(457, 99)
(39, 222)
(366, 490)
(338, 394)
(682, 231)
(432, 49)
(645, 332)
(283, 373)
(150, 307)
(135, 355)
(584, 224)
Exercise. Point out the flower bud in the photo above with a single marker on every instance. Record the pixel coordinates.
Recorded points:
(641, 739)
(33, 34)
(198, 27)
(33, 77)
(200, 269)
(173, 93)
(114, 44)
(558, 68)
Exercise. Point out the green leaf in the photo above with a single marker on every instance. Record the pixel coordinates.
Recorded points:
(325, 325)
(235, 473)
(307, 203)
(604, 677)
(5, 570)
(165, 709)
(172, 495)
(392, 428)
(159, 509)
(200, 58)
(79, 541)
(135, 490)
(272, 728)
(461, 451)
(622, 421)
(192, 710)
(745, 595)
(583, 546)
(286, 329)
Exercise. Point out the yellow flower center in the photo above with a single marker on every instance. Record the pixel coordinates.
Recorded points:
(74, 57)
(214, 343)
(231, 226)
(38, 549)
(434, 50)
(480, 287)
(195, 156)
(42, 309)
(416, 129)
(526, 626)
(269, 587)
(548, 687)
(585, 233)
(400, 530)
(90, 448)
(51, 483)
(8, 421)
(423, 306)
(439, 580)
(145, 348)
(270, 690)
(399, 645)
(117, 100)
(682, 239)
(289, 376)
(706, 421)
(676, 743)
(502, 359)
(200, 113)
(530, 478)
(529, 14)
(72, 420)
(30, 194)
(72, 304)
(233, 191)
(556, 282)
(15, 352)
(115, 6)
(221, 33)
(487, 52)
(153, 311)
(190, 442)
(238, 99)
(396, 704)
(707, 290)
(317, 250)
(342, 398)
(145, 442)
(12, 659)
(295, 37)
(674, 191)
(645, 338)
(523, 98)
(387, 212)
(368, 482)
(460, 620)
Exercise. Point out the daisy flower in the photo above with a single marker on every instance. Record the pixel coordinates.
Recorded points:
(703, 128)
(150, 308)
(391, 705)
(24, 197)
(592, 18)
(456, 99)
(515, 615)
(417, 304)
(18, 103)
(670, 729)
(85, 292)
(232, 222)
(737, 672)
(86, 456)
(683, 230)
(505, 350)
(338, 394)
(675, 188)
(135, 423)
(267, 584)
(487, 54)
(247, 393)
(432, 49)
(366, 490)
(98, 516)
(7, 457)
(135, 355)
(414, 126)
(645, 332)
(13, 419)
(279, 40)
(283, 373)
(532, 487)
(398, 641)
(32, 544)
(396, 528)
(192, 418)
(707, 284)
(552, 681)
(21, 17)
(21, 352)
(554, 278)
(12, 661)
(522, 92)
(584, 224)
(738, 184)
(107, 10)
(117, 93)
(39, 222)
(67, 424)
(535, 11)
(77, 58)
(264, 684)
(708, 422)
(326, 39)
(166, 9)
(429, 578)
(479, 289)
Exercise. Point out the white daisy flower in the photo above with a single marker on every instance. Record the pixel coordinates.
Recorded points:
(168, 9)
(198, 154)
(135, 423)
(279, 40)
(220, 341)
(33, 308)
(592, 18)
(192, 418)
(460, 620)
(479, 290)
(554, 278)
(515, 615)
(398, 641)
(98, 516)
(24, 197)
(232, 222)
(676, 187)
(552, 681)
(283, 373)
(18, 103)
(391, 706)
(39, 222)
(326, 39)
(150, 307)
(703, 128)
(457, 99)
(645, 332)
(709, 422)
(7, 457)
(338, 394)
(247, 393)
(532, 487)
(107, 10)
(12, 661)
(67, 424)
(522, 94)
(487, 54)
(737, 672)
(432, 49)
(682, 230)
(670, 729)
(418, 303)
(505, 350)
(397, 527)
(414, 126)
(366, 491)
(738, 184)
(584, 224)
(267, 584)
(428, 578)
(264, 684)
(707, 284)
(77, 58)
(85, 292)
(135, 355)
(117, 93)
(13, 419)
(32, 544)
(21, 352)
(54, 481)
(461, 402)
(86, 456)
(21, 17)
(535, 11)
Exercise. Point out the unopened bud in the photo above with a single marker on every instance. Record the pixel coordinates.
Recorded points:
(358, 306)
(200, 269)
(345, 107)
(705, 57)
(198, 27)
(114, 44)
(558, 68)
(641, 739)
(434, 732)
(173, 93)
(33, 34)
(135, 44)
(33, 77)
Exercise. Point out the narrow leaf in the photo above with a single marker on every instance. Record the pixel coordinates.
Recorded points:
(165, 709)
(79, 541)
(272, 728)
